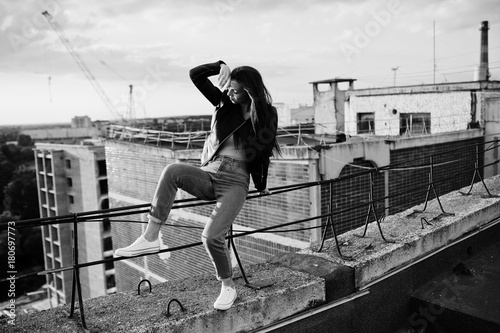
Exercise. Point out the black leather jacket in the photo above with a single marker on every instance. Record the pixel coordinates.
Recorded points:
(227, 119)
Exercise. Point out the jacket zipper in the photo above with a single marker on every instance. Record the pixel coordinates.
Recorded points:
(220, 144)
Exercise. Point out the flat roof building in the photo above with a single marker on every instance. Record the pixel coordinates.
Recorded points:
(71, 179)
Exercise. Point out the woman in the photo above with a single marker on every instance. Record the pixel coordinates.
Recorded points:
(242, 139)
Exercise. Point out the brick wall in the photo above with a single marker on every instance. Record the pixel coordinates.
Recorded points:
(350, 197)
(453, 169)
(407, 181)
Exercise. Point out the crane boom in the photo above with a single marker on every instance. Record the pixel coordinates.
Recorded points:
(88, 74)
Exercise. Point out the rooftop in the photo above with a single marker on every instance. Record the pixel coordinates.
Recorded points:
(304, 284)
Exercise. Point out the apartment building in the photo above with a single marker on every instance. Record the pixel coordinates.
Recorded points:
(71, 179)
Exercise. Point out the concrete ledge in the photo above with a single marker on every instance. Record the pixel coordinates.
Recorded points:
(339, 279)
(372, 257)
(292, 292)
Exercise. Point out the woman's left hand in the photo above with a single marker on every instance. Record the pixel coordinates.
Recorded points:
(224, 76)
(265, 191)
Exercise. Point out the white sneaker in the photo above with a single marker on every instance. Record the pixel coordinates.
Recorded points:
(226, 298)
(140, 246)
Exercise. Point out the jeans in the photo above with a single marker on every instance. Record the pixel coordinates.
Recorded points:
(225, 180)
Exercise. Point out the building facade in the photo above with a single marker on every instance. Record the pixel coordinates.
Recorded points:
(72, 178)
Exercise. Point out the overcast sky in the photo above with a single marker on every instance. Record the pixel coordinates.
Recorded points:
(153, 44)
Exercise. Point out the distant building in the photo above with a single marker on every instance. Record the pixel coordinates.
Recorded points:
(81, 122)
(72, 178)
(303, 114)
(287, 116)
(417, 110)
(81, 128)
(284, 116)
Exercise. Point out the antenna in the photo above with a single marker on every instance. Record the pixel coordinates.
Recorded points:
(434, 48)
(395, 69)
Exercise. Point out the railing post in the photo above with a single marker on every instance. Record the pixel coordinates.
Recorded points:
(329, 222)
(255, 285)
(476, 172)
(76, 275)
(371, 208)
(429, 187)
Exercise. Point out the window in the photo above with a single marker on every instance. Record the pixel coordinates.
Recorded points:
(107, 244)
(71, 199)
(415, 123)
(106, 224)
(101, 165)
(105, 204)
(107, 265)
(103, 186)
(110, 281)
(68, 164)
(366, 123)
(69, 181)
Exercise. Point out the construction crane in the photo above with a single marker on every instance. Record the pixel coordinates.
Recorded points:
(131, 104)
(88, 74)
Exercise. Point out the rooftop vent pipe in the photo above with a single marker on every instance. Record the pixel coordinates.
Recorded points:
(482, 73)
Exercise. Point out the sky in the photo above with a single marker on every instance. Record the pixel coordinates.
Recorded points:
(153, 44)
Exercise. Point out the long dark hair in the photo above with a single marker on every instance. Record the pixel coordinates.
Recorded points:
(262, 114)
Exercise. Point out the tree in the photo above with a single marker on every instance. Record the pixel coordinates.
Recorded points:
(24, 140)
(19, 200)
(21, 195)
(6, 172)
(28, 257)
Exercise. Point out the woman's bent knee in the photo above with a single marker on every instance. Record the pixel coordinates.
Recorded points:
(212, 242)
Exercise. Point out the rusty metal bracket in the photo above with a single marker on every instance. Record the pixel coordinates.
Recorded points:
(429, 187)
(257, 285)
(371, 209)
(329, 223)
(422, 220)
(476, 172)
(139, 286)
(168, 314)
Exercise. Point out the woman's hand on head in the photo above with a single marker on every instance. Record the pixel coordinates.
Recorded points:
(224, 76)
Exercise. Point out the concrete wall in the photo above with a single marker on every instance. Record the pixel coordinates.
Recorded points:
(489, 115)
(452, 106)
(449, 111)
